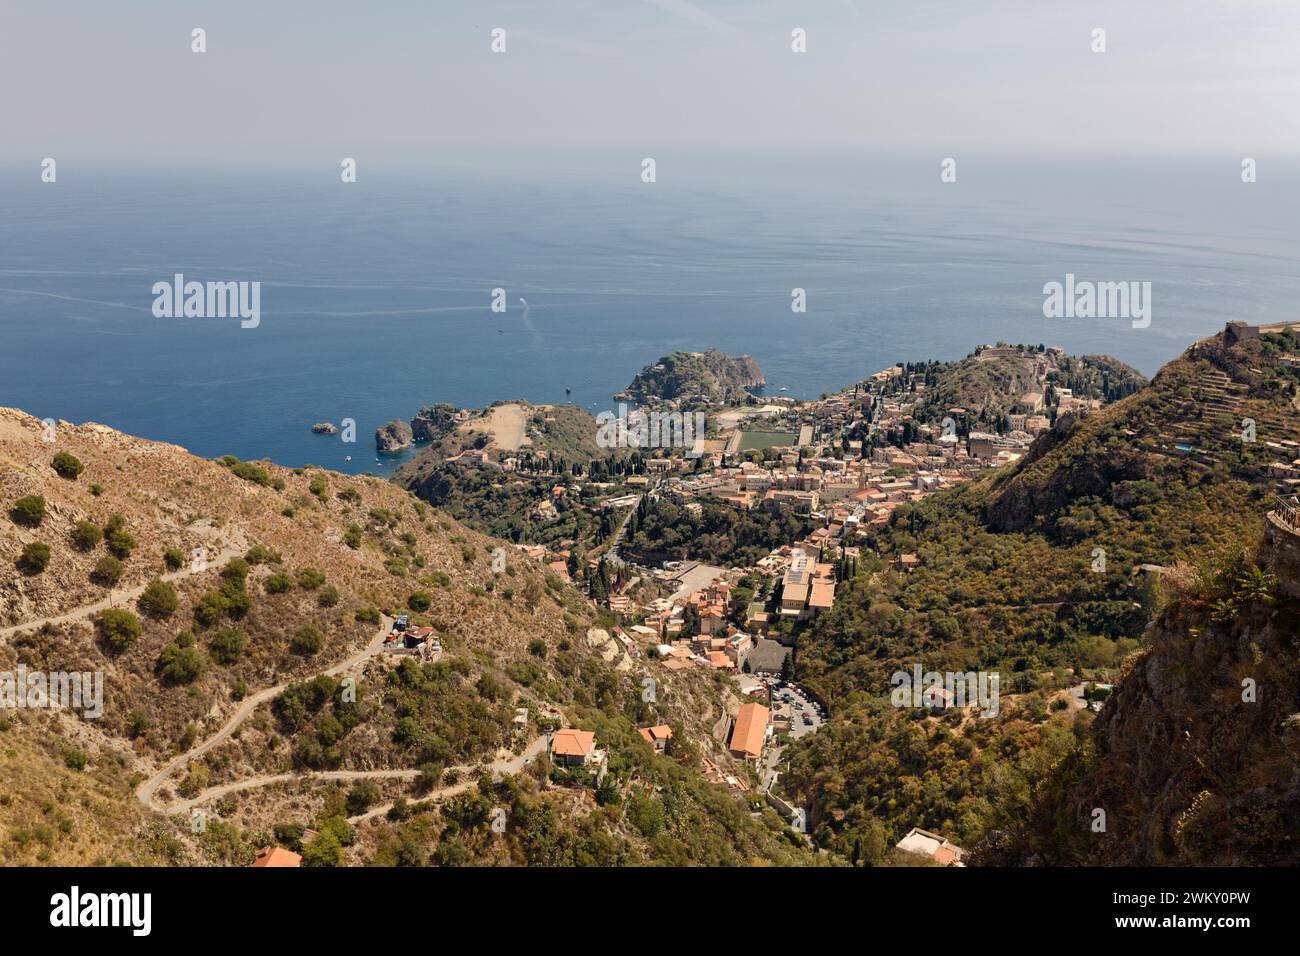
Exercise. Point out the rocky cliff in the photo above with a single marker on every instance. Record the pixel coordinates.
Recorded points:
(1195, 758)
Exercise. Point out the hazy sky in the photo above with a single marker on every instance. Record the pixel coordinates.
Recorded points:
(403, 80)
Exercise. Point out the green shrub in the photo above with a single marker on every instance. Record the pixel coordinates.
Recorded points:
(29, 510)
(261, 554)
(278, 583)
(363, 795)
(119, 542)
(308, 639)
(328, 596)
(159, 599)
(35, 558)
(86, 535)
(236, 569)
(119, 628)
(419, 601)
(107, 571)
(309, 579)
(68, 466)
(210, 608)
(178, 664)
(173, 558)
(74, 759)
(226, 645)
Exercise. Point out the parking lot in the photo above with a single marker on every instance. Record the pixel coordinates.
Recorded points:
(806, 715)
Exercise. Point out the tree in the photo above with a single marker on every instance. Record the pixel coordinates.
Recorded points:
(419, 601)
(67, 466)
(86, 535)
(308, 639)
(29, 510)
(119, 543)
(35, 558)
(159, 599)
(181, 663)
(323, 850)
(119, 628)
(107, 571)
(226, 645)
(363, 795)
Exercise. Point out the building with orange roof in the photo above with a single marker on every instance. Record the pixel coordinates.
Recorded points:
(720, 660)
(749, 732)
(277, 856)
(572, 747)
(657, 736)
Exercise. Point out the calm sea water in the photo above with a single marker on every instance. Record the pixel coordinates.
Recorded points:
(375, 295)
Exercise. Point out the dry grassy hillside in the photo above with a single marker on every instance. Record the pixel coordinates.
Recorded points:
(228, 671)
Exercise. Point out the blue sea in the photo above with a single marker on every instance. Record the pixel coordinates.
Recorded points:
(375, 295)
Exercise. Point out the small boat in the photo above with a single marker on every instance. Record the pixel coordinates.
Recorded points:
(347, 457)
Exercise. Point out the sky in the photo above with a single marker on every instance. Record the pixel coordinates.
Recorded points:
(412, 82)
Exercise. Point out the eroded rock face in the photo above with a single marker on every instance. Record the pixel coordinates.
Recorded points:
(1195, 758)
(394, 436)
(1281, 552)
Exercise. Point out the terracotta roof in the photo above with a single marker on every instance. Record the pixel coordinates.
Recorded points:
(572, 743)
(823, 594)
(657, 732)
(277, 856)
(751, 727)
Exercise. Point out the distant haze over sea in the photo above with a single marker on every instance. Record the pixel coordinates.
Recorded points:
(375, 295)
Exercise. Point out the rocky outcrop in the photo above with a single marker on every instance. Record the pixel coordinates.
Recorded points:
(433, 422)
(1195, 758)
(1281, 550)
(325, 428)
(393, 437)
(693, 379)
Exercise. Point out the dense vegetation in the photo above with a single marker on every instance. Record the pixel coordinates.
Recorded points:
(719, 534)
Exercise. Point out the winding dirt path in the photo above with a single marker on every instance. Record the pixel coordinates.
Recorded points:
(147, 791)
(535, 748)
(117, 598)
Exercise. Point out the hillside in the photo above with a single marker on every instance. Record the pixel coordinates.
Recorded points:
(994, 382)
(1194, 758)
(695, 379)
(236, 612)
(1045, 572)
